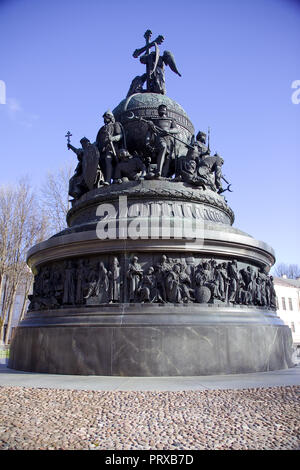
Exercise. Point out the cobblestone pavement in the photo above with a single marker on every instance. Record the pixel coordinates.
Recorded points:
(259, 418)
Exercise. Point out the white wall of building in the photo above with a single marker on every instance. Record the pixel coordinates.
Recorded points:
(288, 305)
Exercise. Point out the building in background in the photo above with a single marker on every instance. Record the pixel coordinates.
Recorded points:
(288, 304)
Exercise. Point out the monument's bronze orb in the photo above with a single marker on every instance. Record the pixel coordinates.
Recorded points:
(145, 105)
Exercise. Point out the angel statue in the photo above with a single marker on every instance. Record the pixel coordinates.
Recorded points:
(155, 67)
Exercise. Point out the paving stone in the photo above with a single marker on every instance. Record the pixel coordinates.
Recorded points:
(37, 418)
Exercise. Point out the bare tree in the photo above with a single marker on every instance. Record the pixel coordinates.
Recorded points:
(8, 203)
(291, 271)
(55, 198)
(22, 224)
(25, 221)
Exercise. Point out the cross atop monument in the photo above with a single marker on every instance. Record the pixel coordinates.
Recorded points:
(159, 40)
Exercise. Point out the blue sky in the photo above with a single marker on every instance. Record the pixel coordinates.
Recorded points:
(64, 62)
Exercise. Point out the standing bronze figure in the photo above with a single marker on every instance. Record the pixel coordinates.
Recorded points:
(107, 141)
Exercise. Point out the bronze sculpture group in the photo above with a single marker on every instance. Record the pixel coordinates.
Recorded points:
(168, 280)
(107, 161)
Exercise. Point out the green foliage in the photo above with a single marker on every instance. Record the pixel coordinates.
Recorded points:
(4, 353)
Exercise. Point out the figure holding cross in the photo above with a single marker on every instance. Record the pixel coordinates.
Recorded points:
(155, 64)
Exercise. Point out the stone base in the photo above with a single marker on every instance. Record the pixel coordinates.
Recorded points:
(188, 345)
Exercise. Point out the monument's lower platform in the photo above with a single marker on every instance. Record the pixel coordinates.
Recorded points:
(157, 340)
(147, 298)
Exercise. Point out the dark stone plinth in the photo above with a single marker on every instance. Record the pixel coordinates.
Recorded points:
(152, 351)
(154, 341)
